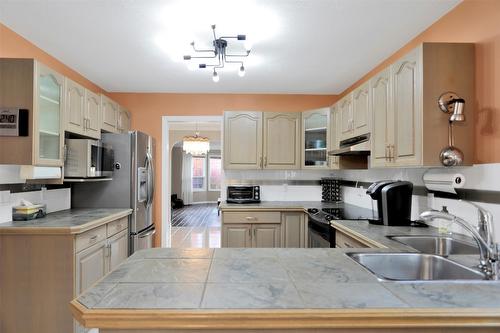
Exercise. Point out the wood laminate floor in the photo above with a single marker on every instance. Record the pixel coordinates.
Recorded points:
(196, 226)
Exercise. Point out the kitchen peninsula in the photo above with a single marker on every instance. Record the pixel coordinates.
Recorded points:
(308, 290)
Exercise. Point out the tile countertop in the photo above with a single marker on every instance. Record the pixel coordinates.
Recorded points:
(71, 221)
(264, 280)
(280, 205)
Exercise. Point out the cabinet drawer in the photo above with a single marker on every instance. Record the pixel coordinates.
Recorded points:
(344, 241)
(251, 217)
(116, 226)
(90, 237)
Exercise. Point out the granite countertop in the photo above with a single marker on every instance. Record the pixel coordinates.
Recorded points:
(281, 205)
(69, 221)
(268, 279)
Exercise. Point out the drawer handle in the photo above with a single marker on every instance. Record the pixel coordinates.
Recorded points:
(93, 239)
(251, 218)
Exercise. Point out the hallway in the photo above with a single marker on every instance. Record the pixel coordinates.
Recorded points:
(196, 226)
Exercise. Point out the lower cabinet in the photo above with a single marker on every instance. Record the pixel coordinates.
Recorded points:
(345, 241)
(263, 229)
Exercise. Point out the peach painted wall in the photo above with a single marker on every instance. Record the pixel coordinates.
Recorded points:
(147, 110)
(13, 45)
(474, 21)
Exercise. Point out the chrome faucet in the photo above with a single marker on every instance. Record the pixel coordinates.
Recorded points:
(488, 250)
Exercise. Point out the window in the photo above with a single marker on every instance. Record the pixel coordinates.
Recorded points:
(215, 171)
(198, 165)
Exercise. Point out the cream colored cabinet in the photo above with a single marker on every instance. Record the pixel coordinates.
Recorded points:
(118, 249)
(266, 235)
(30, 85)
(281, 140)
(237, 235)
(409, 129)
(361, 116)
(75, 108)
(123, 120)
(315, 138)
(293, 230)
(91, 265)
(109, 114)
(92, 114)
(243, 140)
(345, 117)
(334, 161)
(345, 241)
(382, 134)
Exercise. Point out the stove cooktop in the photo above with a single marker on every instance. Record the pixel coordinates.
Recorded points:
(346, 212)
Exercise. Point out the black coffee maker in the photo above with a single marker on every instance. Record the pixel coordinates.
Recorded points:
(393, 202)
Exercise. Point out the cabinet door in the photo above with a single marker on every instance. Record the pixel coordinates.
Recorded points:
(315, 138)
(91, 265)
(334, 136)
(266, 235)
(345, 114)
(361, 110)
(293, 230)
(92, 114)
(243, 140)
(407, 110)
(281, 140)
(75, 108)
(123, 121)
(382, 119)
(236, 235)
(48, 137)
(118, 249)
(109, 114)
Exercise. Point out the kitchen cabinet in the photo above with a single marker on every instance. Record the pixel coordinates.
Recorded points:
(118, 249)
(82, 111)
(123, 124)
(28, 84)
(237, 235)
(355, 113)
(315, 138)
(294, 230)
(334, 161)
(409, 129)
(343, 240)
(109, 114)
(266, 235)
(91, 265)
(382, 136)
(243, 140)
(281, 142)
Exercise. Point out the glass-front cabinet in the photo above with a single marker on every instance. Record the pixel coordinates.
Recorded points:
(48, 112)
(315, 138)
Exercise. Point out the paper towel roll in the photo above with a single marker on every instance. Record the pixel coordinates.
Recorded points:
(443, 181)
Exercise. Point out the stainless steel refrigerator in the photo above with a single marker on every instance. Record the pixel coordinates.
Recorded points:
(133, 186)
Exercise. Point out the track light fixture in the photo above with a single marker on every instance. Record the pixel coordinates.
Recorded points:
(219, 53)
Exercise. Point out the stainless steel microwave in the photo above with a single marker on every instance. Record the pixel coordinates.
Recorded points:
(243, 194)
(88, 159)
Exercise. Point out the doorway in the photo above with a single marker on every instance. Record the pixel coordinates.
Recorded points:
(193, 183)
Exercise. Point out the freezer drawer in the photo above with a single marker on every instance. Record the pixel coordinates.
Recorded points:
(142, 240)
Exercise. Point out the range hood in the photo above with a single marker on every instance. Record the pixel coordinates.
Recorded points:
(359, 145)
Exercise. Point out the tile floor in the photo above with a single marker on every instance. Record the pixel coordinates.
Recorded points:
(196, 226)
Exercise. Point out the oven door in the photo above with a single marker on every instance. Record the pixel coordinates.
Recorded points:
(319, 234)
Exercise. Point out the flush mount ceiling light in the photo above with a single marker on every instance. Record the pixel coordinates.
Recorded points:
(220, 55)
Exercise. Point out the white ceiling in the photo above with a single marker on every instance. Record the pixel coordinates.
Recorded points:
(299, 46)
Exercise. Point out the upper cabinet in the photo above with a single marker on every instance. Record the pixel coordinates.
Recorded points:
(261, 140)
(123, 124)
(82, 111)
(315, 138)
(281, 140)
(28, 84)
(109, 114)
(334, 136)
(408, 127)
(243, 140)
(354, 113)
(344, 107)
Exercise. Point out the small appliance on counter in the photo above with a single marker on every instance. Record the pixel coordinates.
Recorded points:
(243, 194)
(393, 202)
(27, 211)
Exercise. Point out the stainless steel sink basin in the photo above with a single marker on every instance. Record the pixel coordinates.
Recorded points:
(440, 245)
(414, 267)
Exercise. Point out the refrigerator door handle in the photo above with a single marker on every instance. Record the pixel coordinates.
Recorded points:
(147, 234)
(150, 179)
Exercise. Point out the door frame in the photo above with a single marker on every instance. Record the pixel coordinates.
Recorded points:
(166, 175)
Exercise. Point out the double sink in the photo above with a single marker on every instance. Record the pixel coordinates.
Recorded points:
(429, 265)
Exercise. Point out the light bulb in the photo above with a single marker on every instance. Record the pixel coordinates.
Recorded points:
(241, 72)
(215, 77)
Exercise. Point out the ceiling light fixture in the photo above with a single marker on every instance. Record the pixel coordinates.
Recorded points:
(220, 54)
(195, 144)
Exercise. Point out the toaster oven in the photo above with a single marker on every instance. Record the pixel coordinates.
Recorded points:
(243, 194)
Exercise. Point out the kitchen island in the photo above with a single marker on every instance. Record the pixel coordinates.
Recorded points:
(166, 290)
